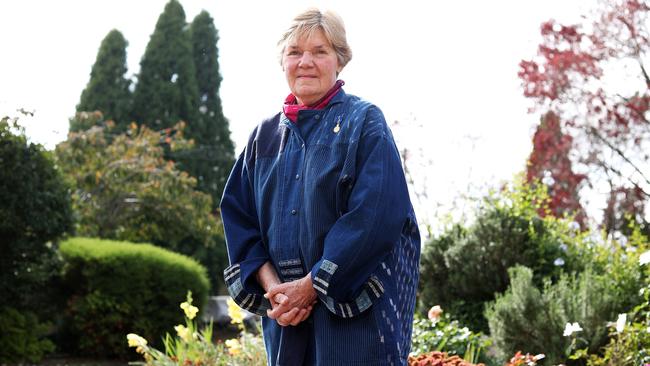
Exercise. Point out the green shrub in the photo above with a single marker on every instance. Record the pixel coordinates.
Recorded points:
(525, 318)
(35, 212)
(125, 189)
(22, 337)
(464, 268)
(629, 346)
(120, 287)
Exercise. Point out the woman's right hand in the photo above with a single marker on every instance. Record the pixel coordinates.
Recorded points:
(283, 311)
(293, 317)
(294, 300)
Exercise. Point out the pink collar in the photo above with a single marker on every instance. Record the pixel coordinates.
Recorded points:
(291, 106)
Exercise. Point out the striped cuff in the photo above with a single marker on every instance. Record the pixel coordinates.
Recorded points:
(254, 303)
(370, 292)
(290, 269)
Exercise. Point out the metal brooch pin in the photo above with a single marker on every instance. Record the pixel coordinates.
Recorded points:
(337, 128)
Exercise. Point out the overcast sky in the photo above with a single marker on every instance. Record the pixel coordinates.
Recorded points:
(447, 70)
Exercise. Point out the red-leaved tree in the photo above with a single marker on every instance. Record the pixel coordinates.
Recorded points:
(593, 76)
(550, 164)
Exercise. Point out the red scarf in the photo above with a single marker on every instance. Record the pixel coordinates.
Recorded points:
(291, 106)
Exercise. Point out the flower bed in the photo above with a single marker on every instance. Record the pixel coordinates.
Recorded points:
(437, 358)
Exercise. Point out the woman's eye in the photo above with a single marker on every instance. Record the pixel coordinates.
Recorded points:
(293, 53)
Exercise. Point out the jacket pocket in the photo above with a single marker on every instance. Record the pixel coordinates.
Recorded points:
(343, 189)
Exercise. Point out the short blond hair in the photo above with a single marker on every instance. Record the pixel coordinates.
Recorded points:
(312, 20)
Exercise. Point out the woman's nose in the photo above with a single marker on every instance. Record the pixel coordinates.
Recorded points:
(306, 59)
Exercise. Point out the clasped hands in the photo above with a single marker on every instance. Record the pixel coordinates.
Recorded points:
(291, 302)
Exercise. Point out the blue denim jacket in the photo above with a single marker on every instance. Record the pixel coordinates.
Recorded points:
(326, 196)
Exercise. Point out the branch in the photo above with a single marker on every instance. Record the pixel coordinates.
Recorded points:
(620, 153)
(645, 74)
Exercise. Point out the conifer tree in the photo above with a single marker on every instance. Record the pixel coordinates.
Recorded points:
(166, 91)
(211, 160)
(108, 88)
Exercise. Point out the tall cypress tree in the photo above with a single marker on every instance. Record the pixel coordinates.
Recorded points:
(166, 91)
(213, 155)
(108, 88)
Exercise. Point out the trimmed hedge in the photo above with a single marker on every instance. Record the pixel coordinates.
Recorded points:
(115, 288)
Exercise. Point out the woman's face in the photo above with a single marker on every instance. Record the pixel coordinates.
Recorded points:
(310, 65)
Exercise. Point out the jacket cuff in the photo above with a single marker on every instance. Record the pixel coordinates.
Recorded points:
(251, 301)
(370, 292)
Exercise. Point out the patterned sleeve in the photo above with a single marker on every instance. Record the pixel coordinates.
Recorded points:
(378, 206)
(246, 251)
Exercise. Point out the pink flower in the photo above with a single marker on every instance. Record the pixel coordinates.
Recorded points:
(434, 313)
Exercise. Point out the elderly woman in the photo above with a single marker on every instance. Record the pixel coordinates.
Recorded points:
(322, 239)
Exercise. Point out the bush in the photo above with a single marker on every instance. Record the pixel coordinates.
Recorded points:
(125, 189)
(464, 268)
(119, 287)
(22, 337)
(34, 212)
(629, 343)
(525, 318)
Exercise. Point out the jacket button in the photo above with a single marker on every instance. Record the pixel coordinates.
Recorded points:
(317, 117)
(293, 212)
(297, 176)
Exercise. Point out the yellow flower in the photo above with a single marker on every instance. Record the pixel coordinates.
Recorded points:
(135, 340)
(183, 332)
(234, 347)
(235, 312)
(190, 311)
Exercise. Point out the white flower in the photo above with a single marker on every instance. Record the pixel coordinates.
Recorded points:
(558, 262)
(548, 179)
(571, 328)
(620, 323)
(644, 258)
(564, 247)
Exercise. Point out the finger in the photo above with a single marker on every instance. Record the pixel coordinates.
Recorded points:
(280, 298)
(287, 318)
(278, 310)
(274, 290)
(302, 315)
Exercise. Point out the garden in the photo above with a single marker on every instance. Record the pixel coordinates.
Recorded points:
(112, 243)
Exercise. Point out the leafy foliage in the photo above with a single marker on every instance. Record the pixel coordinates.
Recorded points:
(167, 92)
(445, 334)
(630, 346)
(607, 122)
(108, 88)
(22, 337)
(193, 346)
(126, 190)
(550, 164)
(465, 267)
(35, 212)
(115, 287)
(525, 318)
(211, 159)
